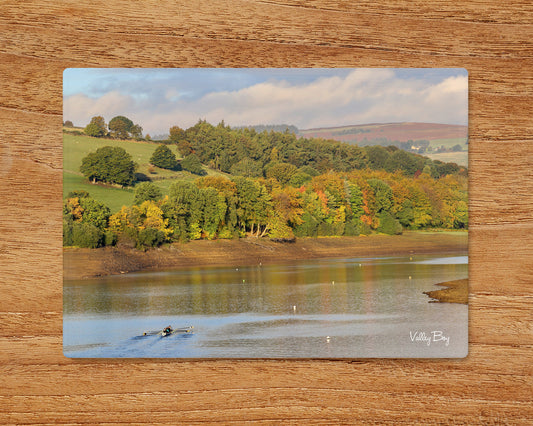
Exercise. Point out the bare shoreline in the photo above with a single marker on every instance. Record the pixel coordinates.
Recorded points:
(454, 292)
(91, 263)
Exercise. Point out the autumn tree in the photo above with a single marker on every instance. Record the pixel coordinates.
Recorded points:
(185, 148)
(176, 134)
(84, 221)
(145, 224)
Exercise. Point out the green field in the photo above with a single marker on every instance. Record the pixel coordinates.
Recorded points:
(460, 158)
(449, 143)
(114, 198)
(77, 147)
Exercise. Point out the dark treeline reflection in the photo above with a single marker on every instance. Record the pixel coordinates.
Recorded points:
(337, 286)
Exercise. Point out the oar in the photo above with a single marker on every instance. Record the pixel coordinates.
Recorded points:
(183, 330)
(152, 333)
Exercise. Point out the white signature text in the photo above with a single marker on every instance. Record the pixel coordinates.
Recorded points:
(428, 338)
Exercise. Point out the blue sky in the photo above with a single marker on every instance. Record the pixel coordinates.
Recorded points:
(314, 97)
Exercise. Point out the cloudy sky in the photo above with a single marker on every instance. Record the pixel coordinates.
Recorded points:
(160, 98)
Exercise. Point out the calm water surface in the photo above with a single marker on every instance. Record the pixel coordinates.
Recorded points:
(341, 308)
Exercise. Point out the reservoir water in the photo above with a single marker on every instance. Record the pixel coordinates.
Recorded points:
(329, 308)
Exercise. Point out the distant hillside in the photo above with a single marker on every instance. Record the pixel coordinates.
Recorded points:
(271, 127)
(393, 131)
(444, 142)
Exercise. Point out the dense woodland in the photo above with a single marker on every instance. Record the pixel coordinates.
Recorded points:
(271, 184)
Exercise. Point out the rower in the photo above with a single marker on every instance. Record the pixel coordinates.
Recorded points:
(168, 330)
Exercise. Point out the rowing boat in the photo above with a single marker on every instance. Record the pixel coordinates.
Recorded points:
(165, 333)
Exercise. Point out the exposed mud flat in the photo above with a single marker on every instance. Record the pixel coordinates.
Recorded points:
(89, 263)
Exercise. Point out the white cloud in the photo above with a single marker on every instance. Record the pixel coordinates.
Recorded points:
(362, 96)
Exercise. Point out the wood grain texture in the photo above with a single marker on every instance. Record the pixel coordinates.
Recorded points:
(493, 40)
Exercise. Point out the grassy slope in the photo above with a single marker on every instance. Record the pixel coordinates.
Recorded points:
(77, 147)
(448, 143)
(460, 158)
(384, 130)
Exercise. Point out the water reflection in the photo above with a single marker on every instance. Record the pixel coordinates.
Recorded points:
(243, 307)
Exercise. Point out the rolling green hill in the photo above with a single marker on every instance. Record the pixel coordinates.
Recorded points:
(76, 147)
(438, 135)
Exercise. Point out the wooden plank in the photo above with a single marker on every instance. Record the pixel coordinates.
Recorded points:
(274, 23)
(38, 39)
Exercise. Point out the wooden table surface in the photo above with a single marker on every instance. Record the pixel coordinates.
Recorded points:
(492, 39)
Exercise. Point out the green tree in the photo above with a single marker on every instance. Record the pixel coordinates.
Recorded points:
(282, 172)
(109, 164)
(311, 171)
(146, 191)
(254, 205)
(382, 194)
(163, 157)
(68, 123)
(94, 212)
(299, 179)
(92, 130)
(308, 227)
(86, 235)
(185, 209)
(176, 134)
(192, 164)
(401, 160)
(150, 237)
(136, 132)
(377, 156)
(215, 208)
(79, 193)
(96, 128)
(388, 224)
(120, 127)
(247, 168)
(356, 201)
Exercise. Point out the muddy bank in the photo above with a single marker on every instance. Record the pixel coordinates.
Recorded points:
(88, 263)
(455, 292)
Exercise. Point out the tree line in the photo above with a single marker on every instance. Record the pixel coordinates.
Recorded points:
(278, 186)
(331, 204)
(119, 127)
(246, 152)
